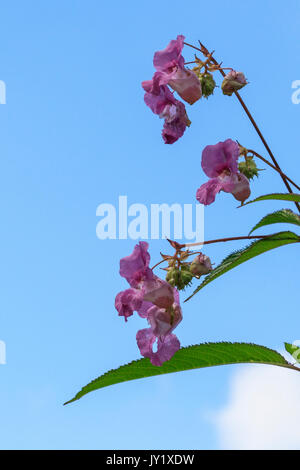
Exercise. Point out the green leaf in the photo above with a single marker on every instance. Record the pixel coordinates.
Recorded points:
(285, 216)
(254, 249)
(192, 357)
(275, 196)
(294, 350)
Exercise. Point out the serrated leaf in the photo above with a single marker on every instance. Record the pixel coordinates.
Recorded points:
(192, 357)
(294, 197)
(254, 249)
(294, 350)
(285, 216)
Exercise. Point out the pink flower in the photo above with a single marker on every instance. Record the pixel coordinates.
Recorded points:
(135, 267)
(165, 349)
(162, 322)
(170, 63)
(176, 121)
(220, 164)
(162, 102)
(159, 292)
(170, 58)
(151, 298)
(128, 301)
(170, 70)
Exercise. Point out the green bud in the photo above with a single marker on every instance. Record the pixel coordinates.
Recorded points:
(186, 275)
(172, 276)
(207, 83)
(179, 278)
(248, 168)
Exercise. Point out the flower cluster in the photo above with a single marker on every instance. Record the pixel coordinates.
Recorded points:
(170, 70)
(220, 164)
(190, 85)
(153, 299)
(180, 272)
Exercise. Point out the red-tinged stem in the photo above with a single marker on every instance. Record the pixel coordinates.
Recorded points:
(219, 240)
(274, 168)
(204, 51)
(157, 264)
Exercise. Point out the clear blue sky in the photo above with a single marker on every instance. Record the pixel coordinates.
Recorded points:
(75, 133)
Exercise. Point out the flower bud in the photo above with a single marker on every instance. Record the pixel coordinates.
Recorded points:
(179, 278)
(233, 81)
(248, 168)
(207, 83)
(172, 276)
(185, 275)
(200, 265)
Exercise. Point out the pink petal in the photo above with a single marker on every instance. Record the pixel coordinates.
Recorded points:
(170, 56)
(159, 292)
(241, 190)
(165, 349)
(206, 194)
(187, 85)
(158, 97)
(220, 157)
(164, 321)
(134, 267)
(227, 181)
(144, 309)
(175, 124)
(128, 301)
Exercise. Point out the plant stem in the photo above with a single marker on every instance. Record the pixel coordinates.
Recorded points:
(208, 242)
(205, 52)
(274, 168)
(157, 264)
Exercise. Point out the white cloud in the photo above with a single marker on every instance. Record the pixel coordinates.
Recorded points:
(263, 410)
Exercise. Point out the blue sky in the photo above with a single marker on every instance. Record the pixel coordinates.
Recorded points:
(75, 133)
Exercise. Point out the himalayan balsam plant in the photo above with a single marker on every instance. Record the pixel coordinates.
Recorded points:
(229, 167)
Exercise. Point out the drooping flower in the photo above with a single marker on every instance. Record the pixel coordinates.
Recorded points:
(128, 301)
(232, 82)
(170, 70)
(169, 63)
(162, 102)
(135, 267)
(162, 323)
(166, 348)
(152, 298)
(159, 293)
(220, 164)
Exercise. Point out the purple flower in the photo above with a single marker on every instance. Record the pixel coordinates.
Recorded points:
(220, 164)
(128, 301)
(164, 320)
(170, 70)
(165, 349)
(135, 267)
(170, 58)
(159, 292)
(162, 323)
(169, 63)
(151, 298)
(162, 102)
